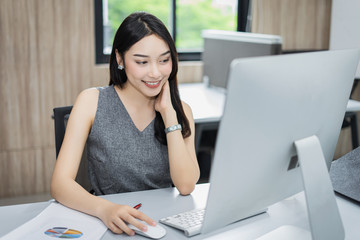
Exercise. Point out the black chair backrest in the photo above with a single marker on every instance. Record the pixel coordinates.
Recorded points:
(60, 118)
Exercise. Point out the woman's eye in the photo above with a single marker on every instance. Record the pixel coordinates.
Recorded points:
(165, 60)
(141, 62)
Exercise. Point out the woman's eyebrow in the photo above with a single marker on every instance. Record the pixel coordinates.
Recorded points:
(146, 56)
(165, 53)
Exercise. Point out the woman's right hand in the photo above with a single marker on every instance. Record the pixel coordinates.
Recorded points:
(116, 217)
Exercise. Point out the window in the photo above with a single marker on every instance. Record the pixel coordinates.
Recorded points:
(185, 19)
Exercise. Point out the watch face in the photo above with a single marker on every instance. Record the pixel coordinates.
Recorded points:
(173, 128)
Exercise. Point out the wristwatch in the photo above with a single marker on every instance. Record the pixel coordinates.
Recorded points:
(173, 128)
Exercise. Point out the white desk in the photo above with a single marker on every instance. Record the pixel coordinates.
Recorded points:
(164, 202)
(207, 103)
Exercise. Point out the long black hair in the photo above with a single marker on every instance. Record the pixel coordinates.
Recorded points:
(134, 28)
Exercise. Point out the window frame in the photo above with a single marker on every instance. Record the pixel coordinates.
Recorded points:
(101, 58)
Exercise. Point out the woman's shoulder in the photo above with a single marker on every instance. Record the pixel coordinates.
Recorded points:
(86, 102)
(89, 94)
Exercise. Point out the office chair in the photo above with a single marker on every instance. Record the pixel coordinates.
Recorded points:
(350, 119)
(61, 116)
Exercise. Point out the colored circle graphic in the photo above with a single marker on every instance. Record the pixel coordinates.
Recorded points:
(63, 232)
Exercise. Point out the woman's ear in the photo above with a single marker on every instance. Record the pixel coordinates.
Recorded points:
(119, 59)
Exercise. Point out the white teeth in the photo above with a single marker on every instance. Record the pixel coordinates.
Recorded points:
(152, 83)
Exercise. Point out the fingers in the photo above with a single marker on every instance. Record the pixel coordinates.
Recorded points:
(122, 227)
(114, 228)
(143, 217)
(132, 216)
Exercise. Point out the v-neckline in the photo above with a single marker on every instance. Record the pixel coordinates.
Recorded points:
(128, 115)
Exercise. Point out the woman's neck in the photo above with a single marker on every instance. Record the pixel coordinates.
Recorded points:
(134, 98)
(140, 109)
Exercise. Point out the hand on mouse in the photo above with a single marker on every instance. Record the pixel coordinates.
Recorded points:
(154, 232)
(115, 217)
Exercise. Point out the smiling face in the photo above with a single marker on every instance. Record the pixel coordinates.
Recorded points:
(148, 65)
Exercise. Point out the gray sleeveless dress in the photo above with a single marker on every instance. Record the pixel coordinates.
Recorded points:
(120, 157)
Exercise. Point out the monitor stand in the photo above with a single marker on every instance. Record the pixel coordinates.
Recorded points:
(324, 217)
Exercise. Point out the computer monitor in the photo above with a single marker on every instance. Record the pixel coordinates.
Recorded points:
(280, 111)
(221, 47)
(344, 28)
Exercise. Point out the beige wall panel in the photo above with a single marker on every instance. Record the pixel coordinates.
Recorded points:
(303, 24)
(46, 61)
(4, 174)
(26, 172)
(101, 75)
(47, 58)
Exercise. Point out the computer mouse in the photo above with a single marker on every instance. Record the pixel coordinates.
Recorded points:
(154, 232)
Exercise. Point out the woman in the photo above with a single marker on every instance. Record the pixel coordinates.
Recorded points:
(138, 133)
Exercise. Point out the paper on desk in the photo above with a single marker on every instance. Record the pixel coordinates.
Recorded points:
(58, 221)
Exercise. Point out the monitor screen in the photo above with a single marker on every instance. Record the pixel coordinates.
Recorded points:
(221, 47)
(272, 103)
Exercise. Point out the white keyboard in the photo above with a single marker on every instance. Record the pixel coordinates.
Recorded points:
(190, 222)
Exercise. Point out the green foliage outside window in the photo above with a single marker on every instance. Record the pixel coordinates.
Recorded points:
(192, 16)
(196, 16)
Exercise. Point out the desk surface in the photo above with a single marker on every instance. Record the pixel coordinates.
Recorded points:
(164, 202)
(207, 103)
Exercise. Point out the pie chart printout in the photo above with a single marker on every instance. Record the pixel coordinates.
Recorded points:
(63, 232)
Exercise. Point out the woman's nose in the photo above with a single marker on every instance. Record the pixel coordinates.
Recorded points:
(154, 71)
